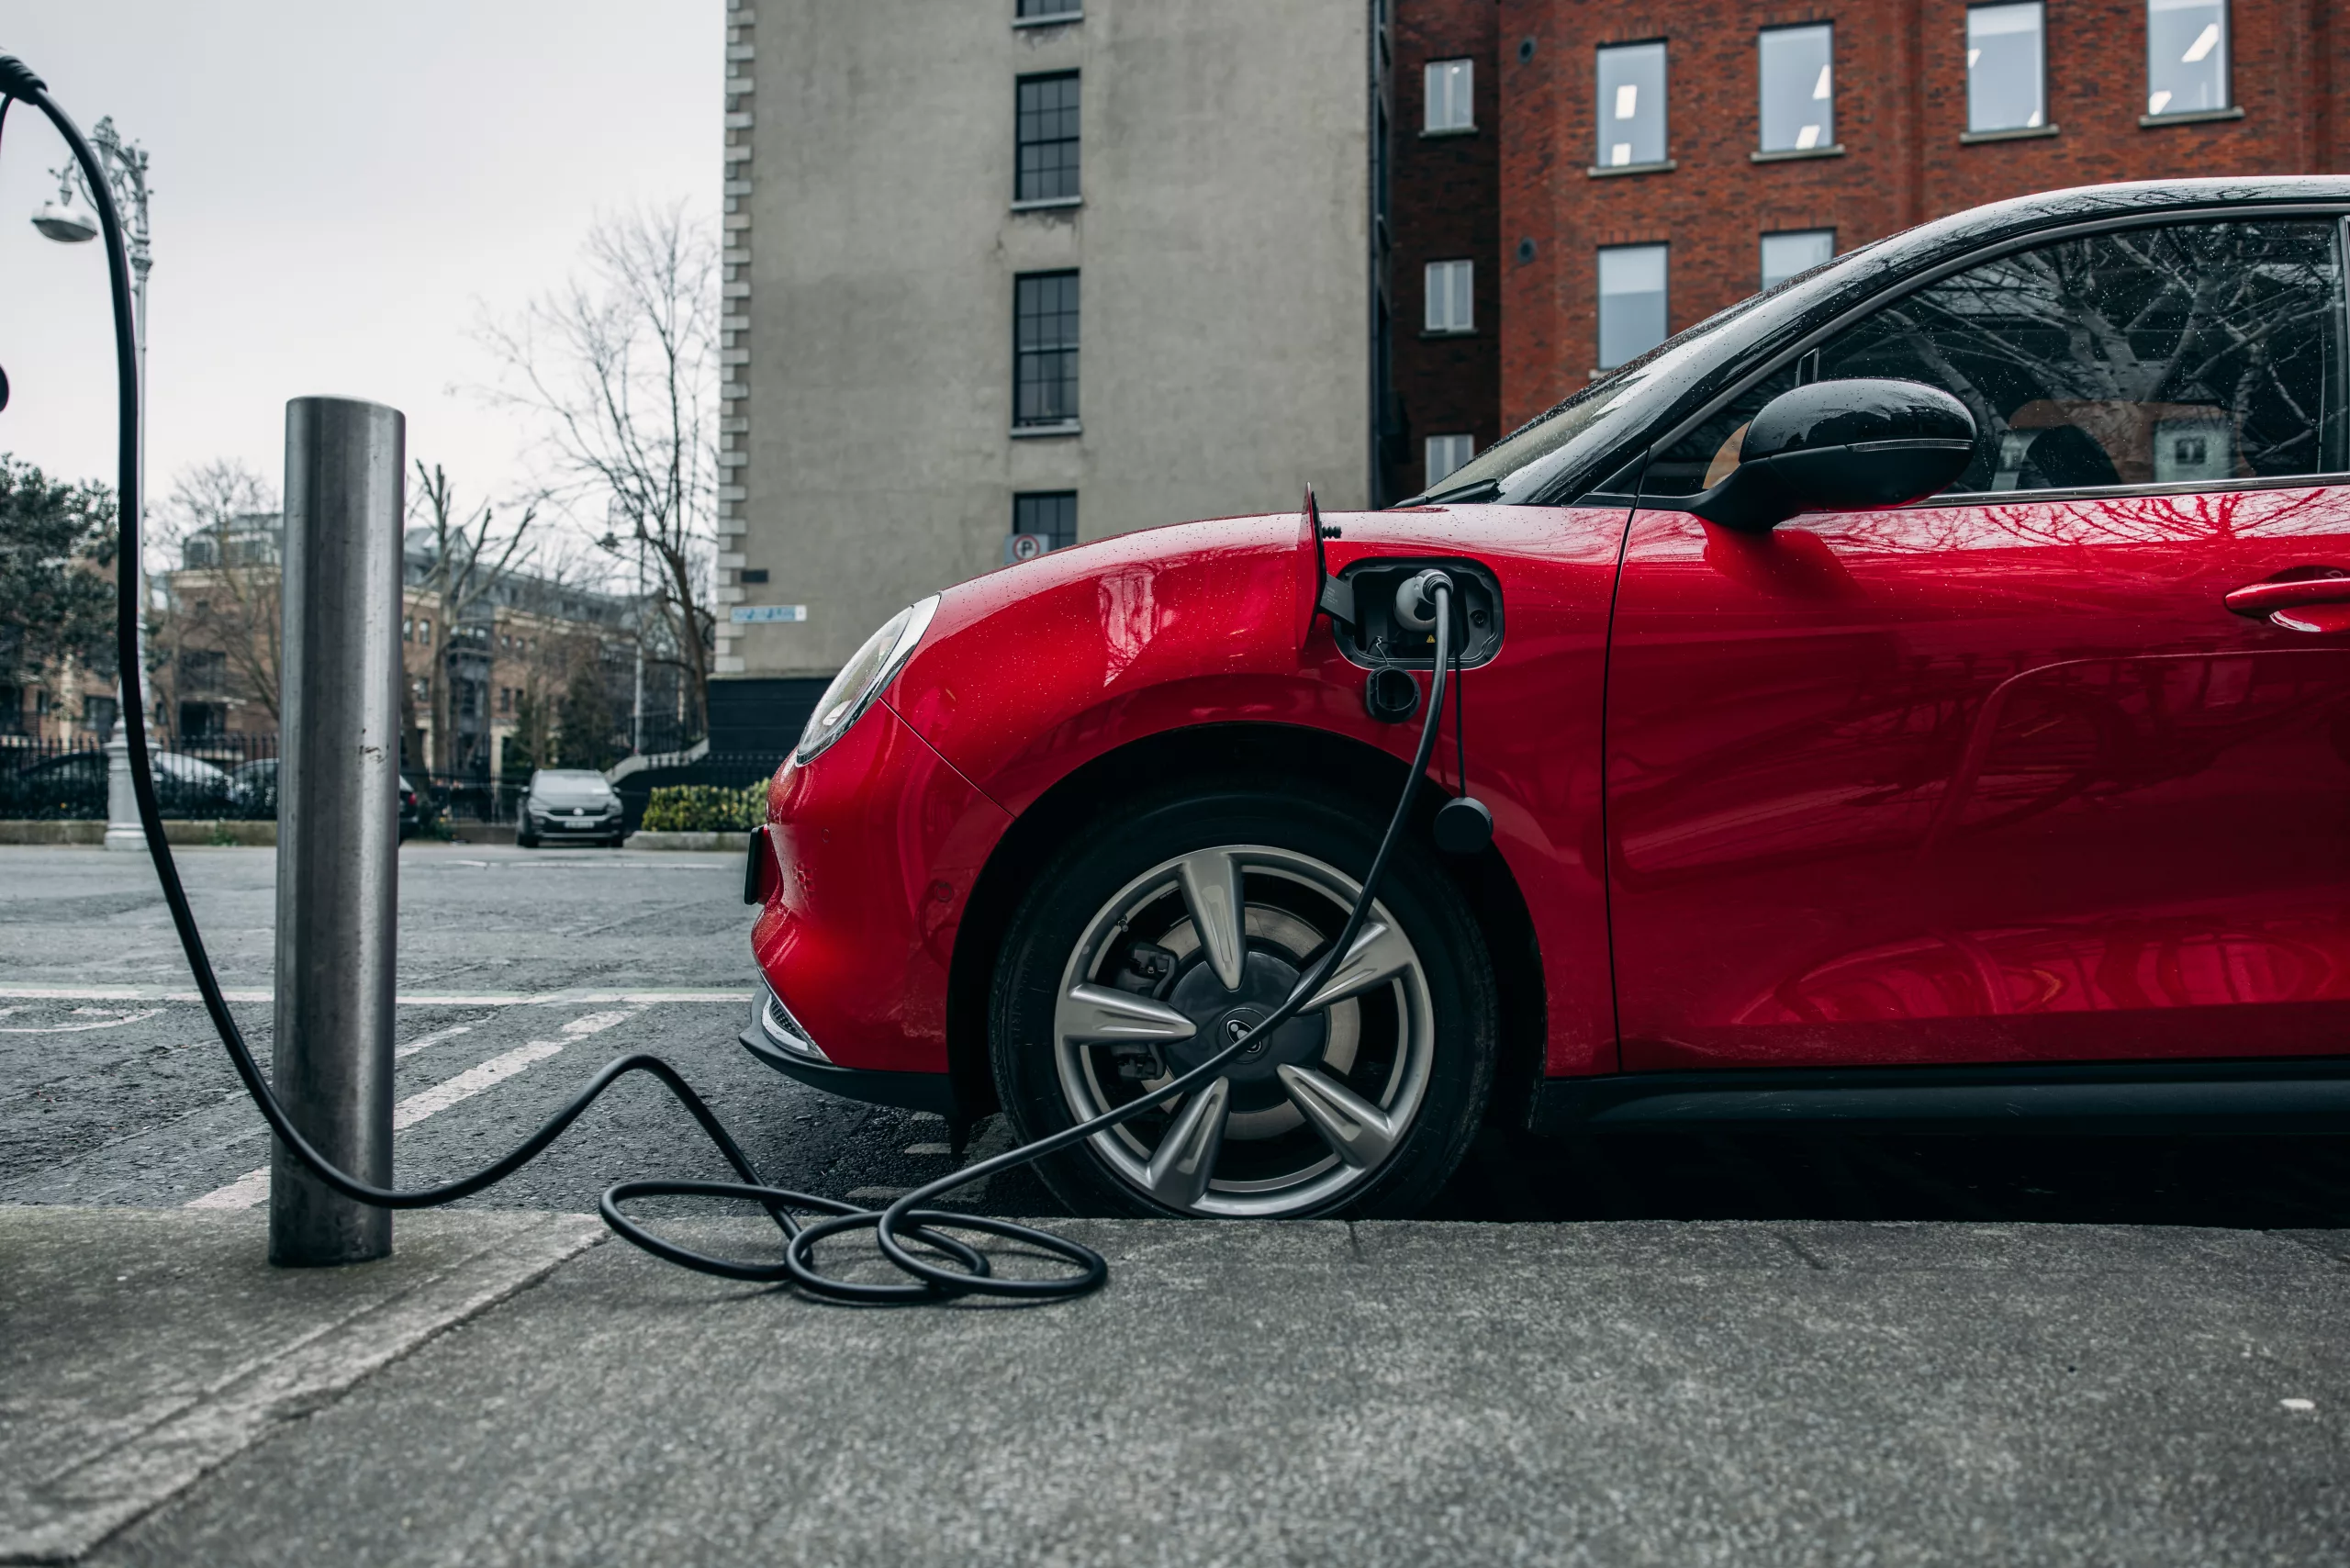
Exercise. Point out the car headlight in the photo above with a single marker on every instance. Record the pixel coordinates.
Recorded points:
(872, 667)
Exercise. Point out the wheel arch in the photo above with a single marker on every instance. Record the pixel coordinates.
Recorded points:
(1280, 753)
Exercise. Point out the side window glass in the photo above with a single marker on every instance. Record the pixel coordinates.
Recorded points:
(1704, 457)
(2194, 353)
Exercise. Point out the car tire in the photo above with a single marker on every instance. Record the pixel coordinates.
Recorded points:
(1417, 1050)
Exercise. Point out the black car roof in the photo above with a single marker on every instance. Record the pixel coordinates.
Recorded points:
(1999, 220)
(1764, 325)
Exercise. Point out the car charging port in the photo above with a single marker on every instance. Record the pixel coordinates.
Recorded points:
(1374, 635)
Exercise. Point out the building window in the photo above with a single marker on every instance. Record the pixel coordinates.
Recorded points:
(1631, 106)
(202, 671)
(2187, 56)
(1451, 303)
(1048, 515)
(1446, 453)
(1450, 87)
(2007, 80)
(203, 721)
(1784, 255)
(506, 700)
(1631, 302)
(753, 576)
(1047, 139)
(1799, 71)
(97, 714)
(1035, 10)
(1043, 337)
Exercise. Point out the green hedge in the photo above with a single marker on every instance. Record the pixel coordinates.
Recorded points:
(706, 808)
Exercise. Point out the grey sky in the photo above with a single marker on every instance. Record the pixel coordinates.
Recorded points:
(340, 190)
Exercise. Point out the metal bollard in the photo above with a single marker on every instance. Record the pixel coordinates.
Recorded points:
(338, 821)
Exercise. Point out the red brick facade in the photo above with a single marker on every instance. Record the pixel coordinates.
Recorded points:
(1900, 108)
(1445, 203)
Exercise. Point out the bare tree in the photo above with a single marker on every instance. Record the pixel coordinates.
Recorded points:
(620, 367)
(471, 555)
(223, 520)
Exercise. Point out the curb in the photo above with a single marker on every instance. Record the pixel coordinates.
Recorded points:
(729, 843)
(182, 833)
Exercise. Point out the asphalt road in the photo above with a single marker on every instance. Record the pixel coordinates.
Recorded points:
(113, 1094)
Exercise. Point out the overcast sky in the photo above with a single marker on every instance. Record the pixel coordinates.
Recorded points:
(339, 192)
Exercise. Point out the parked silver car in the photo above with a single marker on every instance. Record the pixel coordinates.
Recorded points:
(569, 803)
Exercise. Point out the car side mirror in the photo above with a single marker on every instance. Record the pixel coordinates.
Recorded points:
(1860, 445)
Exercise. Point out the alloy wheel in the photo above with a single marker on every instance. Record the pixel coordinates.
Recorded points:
(1185, 959)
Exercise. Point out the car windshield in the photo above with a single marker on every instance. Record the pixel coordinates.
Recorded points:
(570, 784)
(1587, 423)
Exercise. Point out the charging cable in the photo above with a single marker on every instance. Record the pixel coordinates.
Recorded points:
(904, 1224)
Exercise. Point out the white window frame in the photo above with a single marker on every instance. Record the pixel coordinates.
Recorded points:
(1825, 137)
(1790, 234)
(1624, 105)
(2038, 124)
(1600, 297)
(2224, 45)
(1456, 450)
(1450, 292)
(1450, 97)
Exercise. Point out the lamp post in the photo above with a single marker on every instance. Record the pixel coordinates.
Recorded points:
(125, 169)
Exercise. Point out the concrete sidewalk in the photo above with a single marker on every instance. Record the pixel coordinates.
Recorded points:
(1325, 1393)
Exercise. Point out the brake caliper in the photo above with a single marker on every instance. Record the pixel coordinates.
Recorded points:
(1149, 970)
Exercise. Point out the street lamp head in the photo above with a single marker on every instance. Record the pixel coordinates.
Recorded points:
(70, 224)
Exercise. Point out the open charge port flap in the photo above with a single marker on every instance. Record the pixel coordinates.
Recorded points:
(1373, 638)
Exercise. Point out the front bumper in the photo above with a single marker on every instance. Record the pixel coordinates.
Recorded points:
(584, 827)
(779, 1039)
(875, 846)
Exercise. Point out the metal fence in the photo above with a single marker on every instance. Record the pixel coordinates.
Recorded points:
(208, 777)
(234, 777)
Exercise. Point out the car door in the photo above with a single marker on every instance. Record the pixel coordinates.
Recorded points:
(2002, 777)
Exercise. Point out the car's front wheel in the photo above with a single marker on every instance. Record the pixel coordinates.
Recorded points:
(1162, 934)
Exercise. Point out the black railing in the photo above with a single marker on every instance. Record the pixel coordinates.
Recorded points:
(234, 777)
(208, 777)
(465, 797)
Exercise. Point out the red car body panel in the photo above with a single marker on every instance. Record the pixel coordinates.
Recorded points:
(1973, 783)
(875, 846)
(1030, 673)
(2058, 776)
(1982, 782)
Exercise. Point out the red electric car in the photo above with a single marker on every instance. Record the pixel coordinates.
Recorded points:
(1918, 695)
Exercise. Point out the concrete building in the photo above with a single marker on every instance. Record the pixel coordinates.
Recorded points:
(1012, 267)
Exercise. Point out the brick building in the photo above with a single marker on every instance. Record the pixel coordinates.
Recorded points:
(1658, 161)
(1443, 212)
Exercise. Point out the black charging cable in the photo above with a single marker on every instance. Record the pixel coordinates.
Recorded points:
(904, 1224)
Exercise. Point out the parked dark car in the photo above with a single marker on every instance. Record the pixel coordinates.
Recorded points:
(253, 788)
(75, 786)
(569, 803)
(415, 810)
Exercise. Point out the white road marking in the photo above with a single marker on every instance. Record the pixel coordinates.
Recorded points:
(109, 1022)
(929, 1148)
(419, 999)
(244, 1193)
(877, 1194)
(253, 1187)
(400, 1053)
(2298, 1404)
(470, 1082)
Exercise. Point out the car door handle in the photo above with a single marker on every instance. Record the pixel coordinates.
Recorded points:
(2308, 599)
